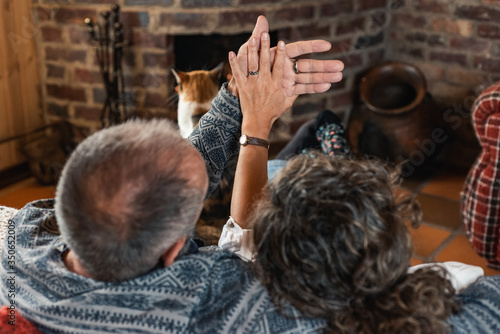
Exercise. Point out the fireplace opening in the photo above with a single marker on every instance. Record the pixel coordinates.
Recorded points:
(204, 52)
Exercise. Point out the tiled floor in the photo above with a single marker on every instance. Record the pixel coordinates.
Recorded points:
(440, 238)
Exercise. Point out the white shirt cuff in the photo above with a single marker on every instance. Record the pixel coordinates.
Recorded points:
(461, 275)
(237, 240)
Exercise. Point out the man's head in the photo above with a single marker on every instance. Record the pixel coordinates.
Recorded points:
(126, 195)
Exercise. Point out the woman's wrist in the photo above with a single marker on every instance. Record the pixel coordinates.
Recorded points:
(254, 129)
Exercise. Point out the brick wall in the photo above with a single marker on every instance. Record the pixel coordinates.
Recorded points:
(72, 87)
(457, 46)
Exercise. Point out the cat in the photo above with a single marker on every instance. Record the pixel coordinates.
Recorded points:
(196, 90)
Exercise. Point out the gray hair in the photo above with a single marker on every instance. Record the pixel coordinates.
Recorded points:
(125, 196)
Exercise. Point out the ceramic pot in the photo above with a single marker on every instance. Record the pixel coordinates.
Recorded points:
(395, 118)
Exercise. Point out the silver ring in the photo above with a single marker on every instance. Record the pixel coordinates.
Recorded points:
(295, 68)
(253, 72)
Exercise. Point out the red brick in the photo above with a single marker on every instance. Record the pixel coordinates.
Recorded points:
(95, 1)
(57, 110)
(451, 26)
(460, 59)
(378, 19)
(65, 54)
(436, 40)
(155, 100)
(187, 20)
(134, 19)
(149, 2)
(247, 2)
(312, 31)
(342, 46)
(77, 16)
(129, 59)
(415, 52)
(396, 4)
(432, 72)
(352, 60)
(371, 4)
(365, 40)
(54, 71)
(79, 34)
(155, 59)
(51, 34)
(146, 80)
(487, 64)
(351, 26)
(479, 13)
(293, 14)
(465, 77)
(64, 92)
(472, 44)
(433, 6)
(337, 7)
(87, 76)
(150, 40)
(420, 37)
(488, 31)
(88, 113)
(375, 57)
(239, 17)
(409, 20)
(205, 3)
(448, 93)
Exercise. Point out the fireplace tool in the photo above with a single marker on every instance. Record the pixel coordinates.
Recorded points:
(108, 42)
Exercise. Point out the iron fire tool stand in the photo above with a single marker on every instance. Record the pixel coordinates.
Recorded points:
(108, 37)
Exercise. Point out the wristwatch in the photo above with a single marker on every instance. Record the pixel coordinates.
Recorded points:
(246, 140)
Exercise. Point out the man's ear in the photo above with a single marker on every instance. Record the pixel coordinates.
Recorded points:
(170, 254)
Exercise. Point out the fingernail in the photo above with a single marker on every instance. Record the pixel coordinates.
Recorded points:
(231, 55)
(253, 41)
(281, 45)
(265, 36)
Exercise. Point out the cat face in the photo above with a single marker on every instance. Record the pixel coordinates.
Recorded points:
(196, 91)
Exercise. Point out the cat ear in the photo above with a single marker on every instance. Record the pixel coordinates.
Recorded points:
(179, 76)
(216, 72)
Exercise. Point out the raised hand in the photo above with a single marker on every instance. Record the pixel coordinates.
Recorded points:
(315, 76)
(261, 93)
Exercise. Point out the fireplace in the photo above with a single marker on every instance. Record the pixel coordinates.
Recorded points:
(454, 44)
(185, 35)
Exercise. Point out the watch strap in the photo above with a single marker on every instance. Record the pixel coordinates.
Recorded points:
(256, 141)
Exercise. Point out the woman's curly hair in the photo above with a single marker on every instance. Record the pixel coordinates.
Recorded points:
(332, 241)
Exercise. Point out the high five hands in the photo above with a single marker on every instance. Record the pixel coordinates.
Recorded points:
(306, 76)
(262, 96)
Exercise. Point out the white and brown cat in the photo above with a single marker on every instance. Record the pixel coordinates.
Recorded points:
(196, 90)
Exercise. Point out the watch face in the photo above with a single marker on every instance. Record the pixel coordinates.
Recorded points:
(243, 139)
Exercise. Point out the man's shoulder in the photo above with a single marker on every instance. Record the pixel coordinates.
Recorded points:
(212, 262)
(35, 224)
